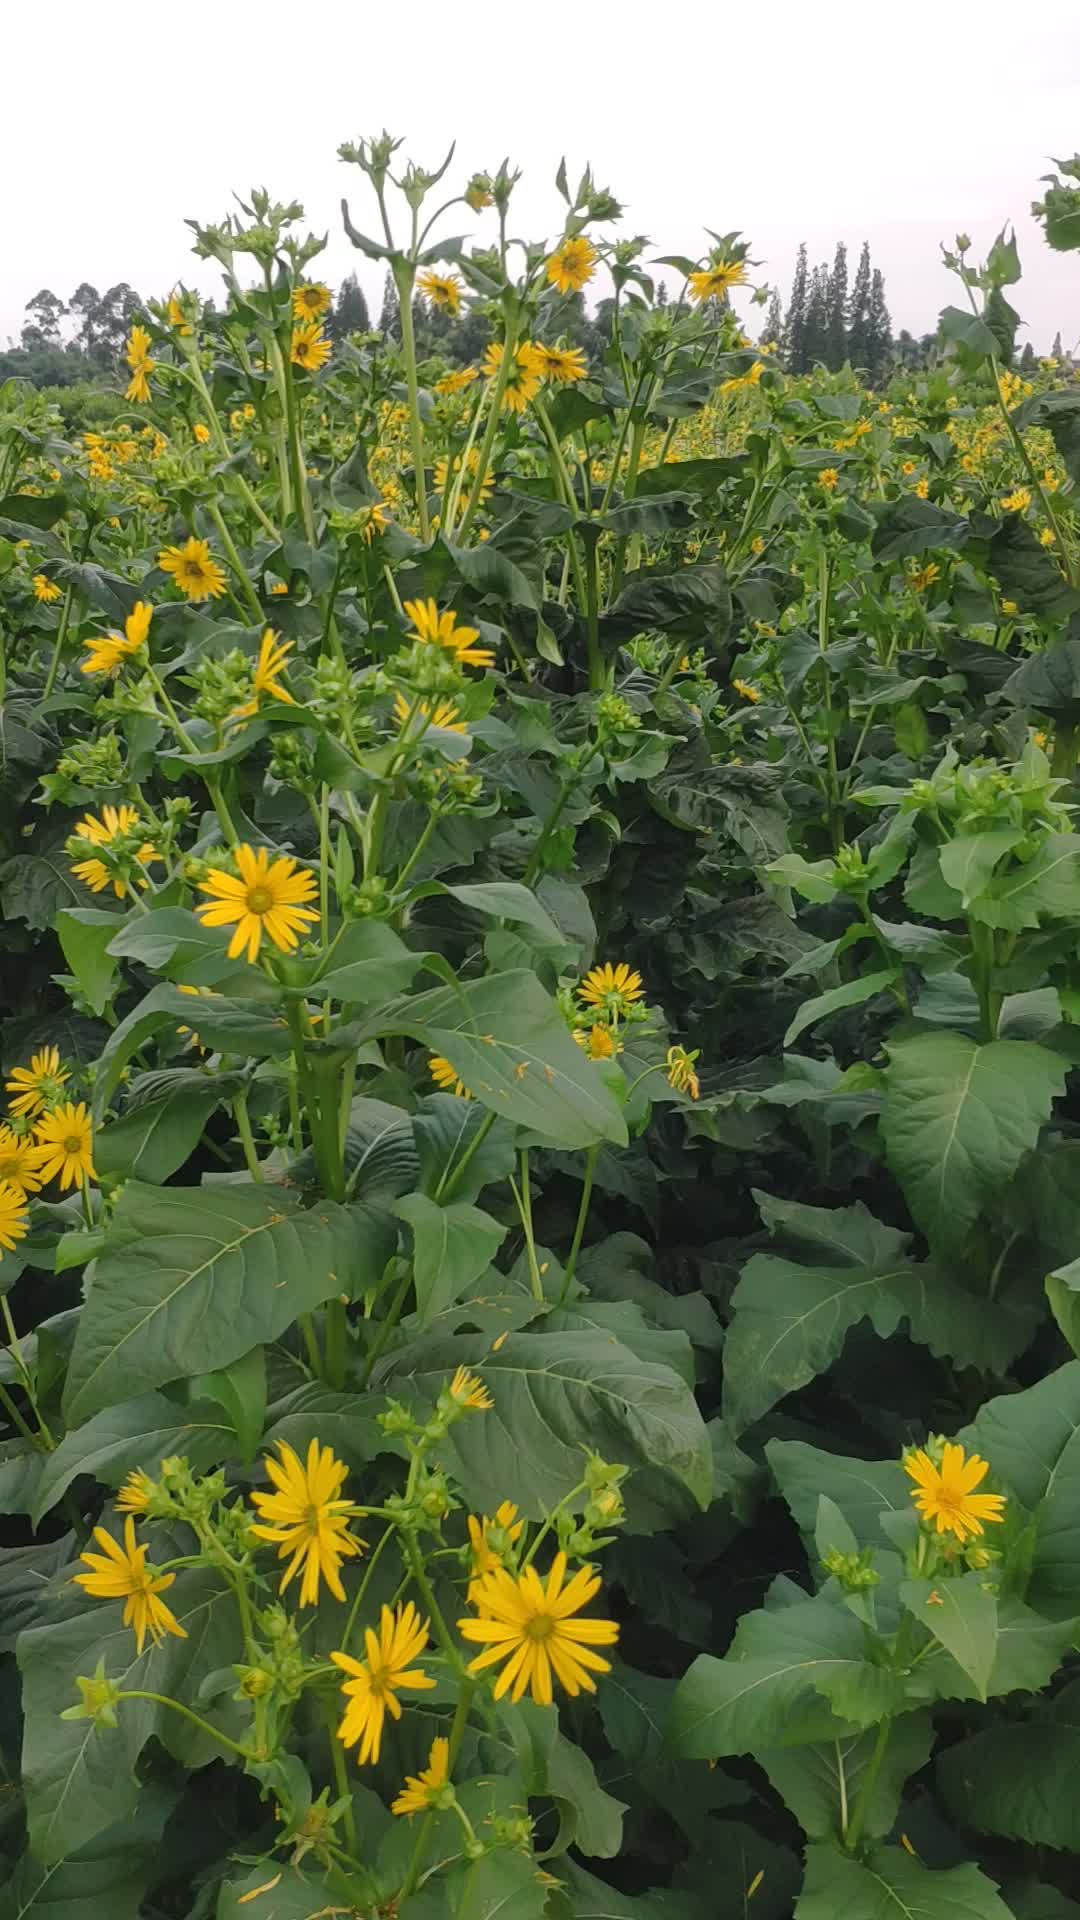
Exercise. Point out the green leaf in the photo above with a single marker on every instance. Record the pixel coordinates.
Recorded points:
(273, 1889)
(817, 1783)
(690, 603)
(558, 1395)
(1059, 413)
(1045, 887)
(962, 1614)
(1028, 573)
(507, 900)
(501, 1886)
(152, 1140)
(192, 1280)
(138, 1433)
(508, 1042)
(862, 1489)
(84, 934)
(968, 861)
(1049, 681)
(173, 941)
(78, 1778)
(1018, 1779)
(1032, 1441)
(553, 1766)
(914, 526)
(314, 1412)
(851, 993)
(368, 963)
(241, 1390)
(452, 1247)
(105, 1880)
(958, 1120)
(235, 1026)
(814, 879)
(893, 1886)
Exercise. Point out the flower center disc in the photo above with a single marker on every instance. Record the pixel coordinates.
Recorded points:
(260, 900)
(540, 1627)
(72, 1144)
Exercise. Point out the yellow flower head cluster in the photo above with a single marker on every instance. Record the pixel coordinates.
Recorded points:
(38, 1086)
(309, 349)
(442, 290)
(266, 896)
(266, 678)
(945, 1494)
(137, 355)
(44, 589)
(116, 824)
(523, 378)
(194, 569)
(612, 990)
(306, 1519)
(107, 652)
(529, 1630)
(715, 282)
(121, 1573)
(435, 629)
(571, 266)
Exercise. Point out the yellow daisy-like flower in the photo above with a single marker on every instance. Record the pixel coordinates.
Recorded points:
(447, 1078)
(375, 1682)
(828, 479)
(310, 349)
(307, 1518)
(310, 301)
(529, 1628)
(39, 1085)
(443, 470)
(468, 1390)
(13, 1217)
(45, 589)
(681, 1073)
(177, 317)
(269, 896)
(442, 289)
(741, 380)
(66, 1135)
(1047, 537)
(115, 823)
(437, 629)
(137, 355)
(716, 282)
(1018, 501)
(371, 519)
(561, 365)
(20, 1161)
(746, 692)
(201, 432)
(458, 380)
(485, 1555)
(922, 489)
(444, 714)
(523, 380)
(611, 988)
(194, 569)
(946, 1494)
(599, 1042)
(925, 577)
(107, 652)
(136, 1493)
(572, 265)
(121, 1573)
(425, 1789)
(270, 665)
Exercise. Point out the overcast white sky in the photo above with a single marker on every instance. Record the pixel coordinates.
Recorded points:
(899, 122)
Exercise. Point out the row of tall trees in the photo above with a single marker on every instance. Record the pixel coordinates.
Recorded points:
(830, 323)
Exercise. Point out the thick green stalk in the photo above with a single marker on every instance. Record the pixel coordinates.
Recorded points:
(404, 277)
(491, 429)
(866, 1794)
(251, 598)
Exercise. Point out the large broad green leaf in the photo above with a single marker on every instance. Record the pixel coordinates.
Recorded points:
(191, 1280)
(84, 934)
(1058, 412)
(1032, 1441)
(851, 993)
(452, 1247)
(274, 1889)
(862, 1489)
(338, 1420)
(556, 1396)
(913, 526)
(553, 1767)
(959, 1118)
(508, 1042)
(1028, 573)
(368, 963)
(818, 1783)
(105, 1880)
(139, 1433)
(792, 1676)
(962, 1614)
(892, 1885)
(1019, 1779)
(1046, 887)
(154, 1138)
(501, 1886)
(234, 1026)
(79, 1778)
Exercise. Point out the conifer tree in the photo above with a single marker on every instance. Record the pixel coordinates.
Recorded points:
(817, 319)
(350, 311)
(1057, 350)
(879, 328)
(795, 321)
(773, 331)
(858, 314)
(389, 318)
(836, 317)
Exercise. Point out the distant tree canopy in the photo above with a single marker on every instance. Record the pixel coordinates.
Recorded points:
(826, 323)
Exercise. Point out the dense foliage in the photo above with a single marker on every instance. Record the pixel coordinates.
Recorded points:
(538, 1201)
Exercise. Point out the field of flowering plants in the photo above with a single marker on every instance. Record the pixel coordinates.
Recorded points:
(540, 1174)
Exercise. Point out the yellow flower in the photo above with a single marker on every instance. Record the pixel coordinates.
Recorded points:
(137, 355)
(268, 897)
(715, 282)
(458, 380)
(757, 544)
(612, 988)
(442, 289)
(447, 1078)
(176, 316)
(523, 380)
(136, 1493)
(1009, 606)
(309, 349)
(748, 379)
(45, 589)
(273, 654)
(946, 1494)
(67, 1137)
(443, 470)
(908, 468)
(485, 1556)
(922, 489)
(599, 1043)
(572, 265)
(20, 1161)
(201, 432)
(680, 1071)
(1018, 501)
(425, 1789)
(531, 1629)
(309, 1521)
(746, 691)
(560, 365)
(371, 519)
(445, 714)
(1047, 537)
(107, 652)
(478, 192)
(121, 1573)
(828, 479)
(467, 1390)
(371, 1693)
(280, 586)
(39, 1085)
(437, 629)
(13, 1220)
(194, 569)
(115, 823)
(310, 301)
(925, 577)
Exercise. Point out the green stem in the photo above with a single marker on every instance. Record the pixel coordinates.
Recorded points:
(452, 1177)
(598, 677)
(235, 562)
(389, 1323)
(491, 429)
(341, 1778)
(583, 1215)
(404, 277)
(16, 1417)
(423, 1838)
(358, 1597)
(523, 1200)
(866, 1793)
(247, 1138)
(163, 1700)
(61, 636)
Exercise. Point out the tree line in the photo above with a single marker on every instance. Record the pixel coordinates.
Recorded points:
(829, 323)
